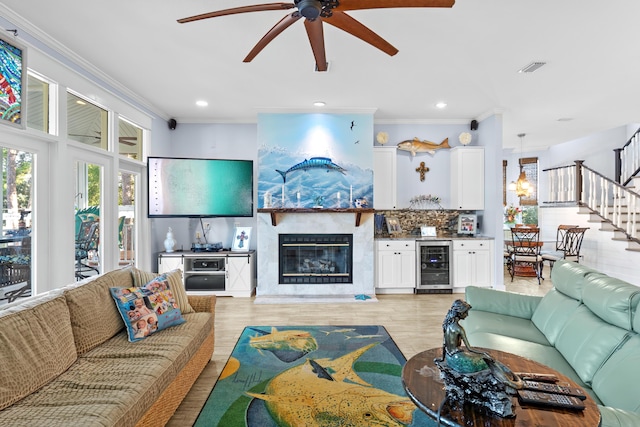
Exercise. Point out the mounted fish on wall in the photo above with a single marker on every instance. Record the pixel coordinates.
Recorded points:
(416, 146)
(303, 158)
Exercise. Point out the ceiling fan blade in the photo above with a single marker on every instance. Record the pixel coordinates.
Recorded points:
(379, 4)
(352, 26)
(243, 9)
(274, 32)
(316, 38)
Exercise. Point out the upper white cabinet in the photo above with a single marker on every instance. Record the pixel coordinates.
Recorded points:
(384, 178)
(467, 178)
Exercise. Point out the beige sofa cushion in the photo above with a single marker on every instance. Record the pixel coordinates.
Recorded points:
(94, 316)
(115, 383)
(36, 344)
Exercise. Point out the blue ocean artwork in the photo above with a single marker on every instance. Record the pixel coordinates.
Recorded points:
(307, 160)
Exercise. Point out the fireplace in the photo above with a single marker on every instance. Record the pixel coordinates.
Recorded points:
(315, 258)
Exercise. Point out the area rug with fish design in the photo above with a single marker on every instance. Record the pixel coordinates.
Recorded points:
(310, 376)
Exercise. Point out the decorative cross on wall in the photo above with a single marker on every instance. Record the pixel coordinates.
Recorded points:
(422, 170)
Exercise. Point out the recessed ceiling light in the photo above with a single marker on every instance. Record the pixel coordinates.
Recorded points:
(532, 67)
(319, 104)
(80, 102)
(441, 105)
(202, 103)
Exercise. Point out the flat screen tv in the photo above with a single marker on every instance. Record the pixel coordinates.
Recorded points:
(181, 187)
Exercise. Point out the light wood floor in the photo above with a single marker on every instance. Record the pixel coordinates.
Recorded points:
(413, 321)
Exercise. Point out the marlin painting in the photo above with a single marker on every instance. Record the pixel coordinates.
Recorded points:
(313, 163)
(325, 392)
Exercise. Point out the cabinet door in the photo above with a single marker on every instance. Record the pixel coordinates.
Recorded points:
(406, 264)
(384, 177)
(467, 178)
(168, 263)
(462, 268)
(483, 260)
(386, 269)
(239, 273)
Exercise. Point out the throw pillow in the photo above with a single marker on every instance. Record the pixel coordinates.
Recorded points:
(148, 309)
(174, 277)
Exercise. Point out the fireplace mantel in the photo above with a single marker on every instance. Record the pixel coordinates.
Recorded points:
(277, 211)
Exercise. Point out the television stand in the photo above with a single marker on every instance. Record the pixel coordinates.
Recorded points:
(222, 273)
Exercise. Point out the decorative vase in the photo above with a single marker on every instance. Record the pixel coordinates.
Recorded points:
(511, 218)
(169, 242)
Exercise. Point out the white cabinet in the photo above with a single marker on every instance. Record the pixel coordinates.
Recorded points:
(219, 273)
(395, 266)
(473, 263)
(467, 178)
(384, 178)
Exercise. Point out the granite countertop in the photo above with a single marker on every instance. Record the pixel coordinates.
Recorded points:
(438, 237)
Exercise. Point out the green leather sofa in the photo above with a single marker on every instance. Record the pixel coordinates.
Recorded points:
(585, 327)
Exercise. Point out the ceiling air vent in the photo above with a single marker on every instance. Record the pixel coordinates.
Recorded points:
(531, 67)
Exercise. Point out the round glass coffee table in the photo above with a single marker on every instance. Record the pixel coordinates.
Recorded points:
(421, 380)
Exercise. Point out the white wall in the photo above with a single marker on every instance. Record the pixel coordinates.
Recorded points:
(212, 141)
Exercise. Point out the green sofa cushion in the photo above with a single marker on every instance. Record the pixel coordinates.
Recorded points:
(501, 302)
(568, 277)
(587, 342)
(509, 326)
(553, 312)
(541, 353)
(614, 417)
(611, 299)
(616, 383)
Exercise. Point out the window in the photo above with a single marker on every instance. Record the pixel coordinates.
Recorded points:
(38, 100)
(87, 123)
(15, 239)
(129, 140)
(530, 167)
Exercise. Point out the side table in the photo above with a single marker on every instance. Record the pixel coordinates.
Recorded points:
(421, 380)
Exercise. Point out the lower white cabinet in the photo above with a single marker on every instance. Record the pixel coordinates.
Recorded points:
(473, 263)
(395, 262)
(213, 273)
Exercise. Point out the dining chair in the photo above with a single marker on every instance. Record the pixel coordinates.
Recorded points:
(568, 244)
(525, 258)
(86, 241)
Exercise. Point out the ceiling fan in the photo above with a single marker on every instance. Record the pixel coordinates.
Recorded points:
(315, 13)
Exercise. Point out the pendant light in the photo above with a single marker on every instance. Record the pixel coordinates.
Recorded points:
(522, 187)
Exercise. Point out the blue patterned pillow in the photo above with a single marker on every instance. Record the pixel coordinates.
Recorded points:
(147, 309)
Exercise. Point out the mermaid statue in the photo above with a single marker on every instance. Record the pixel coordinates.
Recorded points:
(470, 374)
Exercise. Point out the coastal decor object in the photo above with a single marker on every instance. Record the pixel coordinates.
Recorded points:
(416, 146)
(471, 375)
(12, 82)
(241, 239)
(317, 12)
(422, 170)
(169, 241)
(393, 225)
(382, 138)
(312, 163)
(338, 375)
(465, 138)
(424, 201)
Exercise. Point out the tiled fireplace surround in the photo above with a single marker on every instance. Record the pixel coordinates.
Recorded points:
(308, 223)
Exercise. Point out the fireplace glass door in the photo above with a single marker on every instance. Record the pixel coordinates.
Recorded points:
(315, 258)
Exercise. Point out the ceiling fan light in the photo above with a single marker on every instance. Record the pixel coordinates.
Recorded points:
(310, 9)
(512, 186)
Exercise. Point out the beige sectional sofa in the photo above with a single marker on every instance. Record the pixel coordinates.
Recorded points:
(65, 359)
(586, 327)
